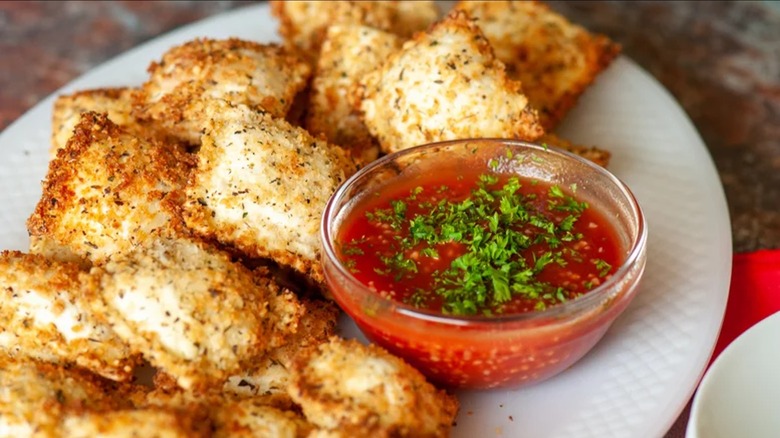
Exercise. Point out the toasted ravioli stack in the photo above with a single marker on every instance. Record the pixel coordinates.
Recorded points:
(171, 284)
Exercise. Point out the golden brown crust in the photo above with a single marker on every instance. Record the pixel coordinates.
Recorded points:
(191, 311)
(348, 52)
(303, 24)
(108, 191)
(252, 418)
(36, 397)
(262, 76)
(157, 422)
(117, 103)
(317, 325)
(67, 109)
(46, 314)
(345, 385)
(445, 84)
(46, 246)
(592, 153)
(554, 59)
(261, 185)
(269, 378)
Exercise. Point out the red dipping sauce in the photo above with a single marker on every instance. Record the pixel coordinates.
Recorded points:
(413, 240)
(481, 279)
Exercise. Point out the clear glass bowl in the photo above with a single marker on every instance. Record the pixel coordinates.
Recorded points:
(498, 351)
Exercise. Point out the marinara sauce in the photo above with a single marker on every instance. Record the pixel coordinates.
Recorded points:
(475, 252)
(478, 243)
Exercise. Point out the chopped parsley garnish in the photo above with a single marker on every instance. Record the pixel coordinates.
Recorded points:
(496, 242)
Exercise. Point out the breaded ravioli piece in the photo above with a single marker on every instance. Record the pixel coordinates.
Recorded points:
(108, 191)
(46, 314)
(592, 153)
(35, 397)
(261, 76)
(261, 186)
(349, 52)
(346, 385)
(117, 103)
(251, 418)
(303, 24)
(270, 378)
(443, 85)
(189, 309)
(554, 59)
(151, 422)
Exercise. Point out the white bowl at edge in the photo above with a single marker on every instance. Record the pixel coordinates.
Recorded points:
(739, 395)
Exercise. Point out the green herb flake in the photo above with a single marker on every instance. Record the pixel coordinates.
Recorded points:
(492, 224)
(556, 192)
(602, 266)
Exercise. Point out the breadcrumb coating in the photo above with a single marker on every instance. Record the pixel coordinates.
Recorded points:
(554, 59)
(261, 76)
(270, 377)
(316, 327)
(345, 385)
(261, 186)
(251, 418)
(67, 109)
(189, 309)
(348, 52)
(46, 314)
(35, 397)
(46, 246)
(303, 24)
(445, 84)
(156, 422)
(108, 191)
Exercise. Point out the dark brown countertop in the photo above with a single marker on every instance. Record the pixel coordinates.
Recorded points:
(721, 61)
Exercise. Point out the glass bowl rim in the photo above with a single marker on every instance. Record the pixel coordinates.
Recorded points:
(576, 306)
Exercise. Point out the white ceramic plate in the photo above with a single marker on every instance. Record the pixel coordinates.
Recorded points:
(641, 375)
(740, 393)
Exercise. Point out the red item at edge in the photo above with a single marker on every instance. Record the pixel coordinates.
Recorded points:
(754, 294)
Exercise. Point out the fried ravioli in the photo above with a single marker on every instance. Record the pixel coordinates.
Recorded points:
(443, 85)
(554, 59)
(108, 191)
(364, 389)
(45, 314)
(35, 397)
(349, 51)
(303, 23)
(261, 76)
(261, 186)
(189, 309)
